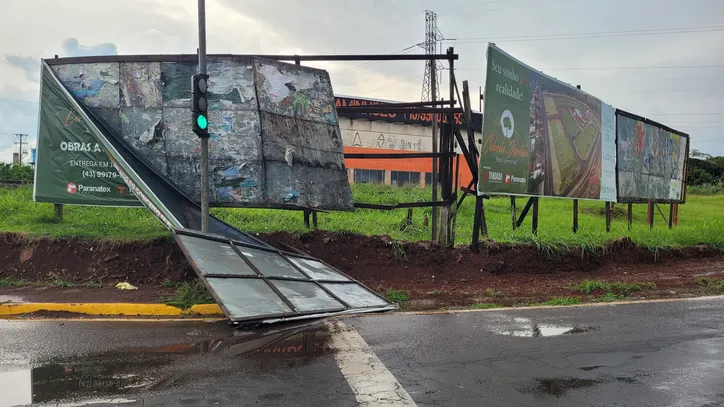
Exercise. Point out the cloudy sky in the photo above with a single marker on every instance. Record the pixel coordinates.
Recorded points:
(663, 59)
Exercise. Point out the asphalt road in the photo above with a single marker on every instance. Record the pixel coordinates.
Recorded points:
(649, 354)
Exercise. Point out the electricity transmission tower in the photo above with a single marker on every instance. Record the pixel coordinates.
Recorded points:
(432, 37)
(21, 150)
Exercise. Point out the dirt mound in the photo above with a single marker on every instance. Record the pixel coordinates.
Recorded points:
(82, 261)
(419, 267)
(524, 270)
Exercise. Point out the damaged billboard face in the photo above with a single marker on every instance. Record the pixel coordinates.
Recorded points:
(275, 139)
(651, 161)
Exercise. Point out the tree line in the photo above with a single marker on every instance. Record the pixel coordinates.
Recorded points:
(9, 172)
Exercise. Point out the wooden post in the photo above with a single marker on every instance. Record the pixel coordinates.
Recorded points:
(676, 213)
(314, 220)
(671, 215)
(650, 217)
(306, 219)
(58, 209)
(629, 215)
(575, 215)
(535, 216)
(483, 221)
(476, 223)
(608, 216)
(514, 214)
(408, 220)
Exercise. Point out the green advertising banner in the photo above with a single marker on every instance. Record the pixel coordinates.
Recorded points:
(71, 167)
(542, 137)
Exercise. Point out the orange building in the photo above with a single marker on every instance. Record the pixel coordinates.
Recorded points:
(394, 133)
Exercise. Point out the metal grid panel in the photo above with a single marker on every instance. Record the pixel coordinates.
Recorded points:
(255, 283)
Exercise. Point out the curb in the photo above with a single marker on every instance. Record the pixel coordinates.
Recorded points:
(8, 311)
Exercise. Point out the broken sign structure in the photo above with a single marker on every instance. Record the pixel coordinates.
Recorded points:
(252, 281)
(275, 140)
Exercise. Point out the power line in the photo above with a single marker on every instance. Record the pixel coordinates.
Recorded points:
(533, 4)
(392, 84)
(611, 67)
(602, 34)
(683, 114)
(368, 64)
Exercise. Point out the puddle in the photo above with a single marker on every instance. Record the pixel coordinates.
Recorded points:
(560, 386)
(525, 327)
(544, 330)
(121, 373)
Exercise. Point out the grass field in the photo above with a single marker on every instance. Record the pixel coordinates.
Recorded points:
(566, 159)
(701, 220)
(584, 142)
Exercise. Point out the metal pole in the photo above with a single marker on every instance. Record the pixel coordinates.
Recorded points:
(204, 141)
(575, 215)
(433, 85)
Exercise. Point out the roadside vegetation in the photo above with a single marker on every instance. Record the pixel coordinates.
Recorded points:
(701, 221)
(189, 294)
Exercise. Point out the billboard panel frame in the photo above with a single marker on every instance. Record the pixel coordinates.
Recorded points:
(685, 170)
(560, 82)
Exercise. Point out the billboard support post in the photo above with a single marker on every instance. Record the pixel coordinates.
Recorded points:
(575, 216)
(676, 214)
(629, 215)
(671, 215)
(534, 228)
(435, 172)
(513, 212)
(608, 216)
(523, 214)
(476, 223)
(650, 215)
(58, 210)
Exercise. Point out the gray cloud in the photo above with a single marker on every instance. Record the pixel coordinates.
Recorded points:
(73, 48)
(30, 65)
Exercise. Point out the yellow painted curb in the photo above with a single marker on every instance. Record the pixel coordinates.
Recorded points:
(121, 309)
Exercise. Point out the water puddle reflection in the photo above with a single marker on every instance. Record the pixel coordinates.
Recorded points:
(127, 371)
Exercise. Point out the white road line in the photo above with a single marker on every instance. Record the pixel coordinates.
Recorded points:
(372, 383)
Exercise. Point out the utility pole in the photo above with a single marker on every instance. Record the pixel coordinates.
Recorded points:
(21, 151)
(204, 140)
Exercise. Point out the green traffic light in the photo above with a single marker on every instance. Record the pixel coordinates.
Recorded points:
(202, 122)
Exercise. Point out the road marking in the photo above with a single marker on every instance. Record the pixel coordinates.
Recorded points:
(371, 382)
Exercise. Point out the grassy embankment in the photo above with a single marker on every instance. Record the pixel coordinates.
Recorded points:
(701, 220)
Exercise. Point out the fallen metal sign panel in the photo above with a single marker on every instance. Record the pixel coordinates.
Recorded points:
(257, 284)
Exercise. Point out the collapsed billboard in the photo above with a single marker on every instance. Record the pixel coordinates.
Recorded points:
(542, 137)
(275, 139)
(651, 160)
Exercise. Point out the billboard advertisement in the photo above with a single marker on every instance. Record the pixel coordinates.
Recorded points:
(542, 137)
(651, 160)
(71, 167)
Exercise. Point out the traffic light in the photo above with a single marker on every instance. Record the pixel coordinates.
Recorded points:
(200, 105)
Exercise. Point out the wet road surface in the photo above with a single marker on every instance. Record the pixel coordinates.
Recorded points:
(651, 354)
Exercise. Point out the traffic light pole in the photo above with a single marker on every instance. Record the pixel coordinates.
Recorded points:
(204, 141)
